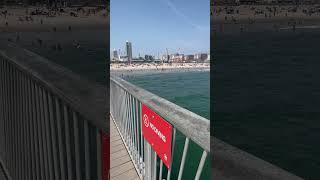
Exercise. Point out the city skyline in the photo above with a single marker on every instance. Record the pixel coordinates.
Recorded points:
(127, 56)
(124, 52)
(159, 25)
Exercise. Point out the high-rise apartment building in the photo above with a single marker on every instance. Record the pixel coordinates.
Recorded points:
(129, 51)
(115, 54)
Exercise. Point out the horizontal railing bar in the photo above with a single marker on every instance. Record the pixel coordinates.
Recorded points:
(190, 124)
(75, 91)
(229, 161)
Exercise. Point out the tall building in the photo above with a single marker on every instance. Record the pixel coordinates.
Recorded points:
(129, 51)
(115, 54)
(189, 58)
(148, 57)
(200, 57)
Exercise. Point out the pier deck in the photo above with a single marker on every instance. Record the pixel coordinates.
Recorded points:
(121, 165)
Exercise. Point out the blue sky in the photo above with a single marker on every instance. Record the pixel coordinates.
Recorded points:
(154, 25)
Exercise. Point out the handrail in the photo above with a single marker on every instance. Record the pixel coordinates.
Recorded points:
(79, 92)
(190, 124)
(231, 163)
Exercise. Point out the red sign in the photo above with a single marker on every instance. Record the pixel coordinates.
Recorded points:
(105, 153)
(158, 133)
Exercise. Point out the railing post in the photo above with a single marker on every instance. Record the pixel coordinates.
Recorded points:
(76, 145)
(26, 124)
(60, 143)
(67, 131)
(48, 134)
(147, 160)
(201, 164)
(184, 155)
(87, 151)
(36, 153)
(100, 142)
(54, 143)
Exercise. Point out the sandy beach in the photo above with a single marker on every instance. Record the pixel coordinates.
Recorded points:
(158, 68)
(21, 19)
(264, 17)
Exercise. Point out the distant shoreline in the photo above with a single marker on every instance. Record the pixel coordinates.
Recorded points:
(155, 69)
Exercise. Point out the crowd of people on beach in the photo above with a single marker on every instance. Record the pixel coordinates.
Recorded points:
(38, 42)
(44, 18)
(39, 15)
(136, 68)
(274, 15)
(267, 11)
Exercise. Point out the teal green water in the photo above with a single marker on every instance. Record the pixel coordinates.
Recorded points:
(266, 97)
(190, 90)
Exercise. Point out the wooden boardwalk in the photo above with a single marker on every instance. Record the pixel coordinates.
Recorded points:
(121, 166)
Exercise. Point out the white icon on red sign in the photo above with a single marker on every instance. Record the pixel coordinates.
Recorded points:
(146, 120)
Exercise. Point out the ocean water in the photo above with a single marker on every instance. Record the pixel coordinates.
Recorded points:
(89, 61)
(267, 97)
(190, 90)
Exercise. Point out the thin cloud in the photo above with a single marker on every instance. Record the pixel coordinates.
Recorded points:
(183, 16)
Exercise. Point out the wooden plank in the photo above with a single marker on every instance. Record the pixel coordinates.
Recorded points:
(129, 175)
(116, 143)
(118, 154)
(121, 165)
(118, 162)
(117, 148)
(115, 138)
(121, 169)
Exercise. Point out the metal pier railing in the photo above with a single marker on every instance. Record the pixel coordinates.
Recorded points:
(125, 107)
(231, 163)
(53, 124)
